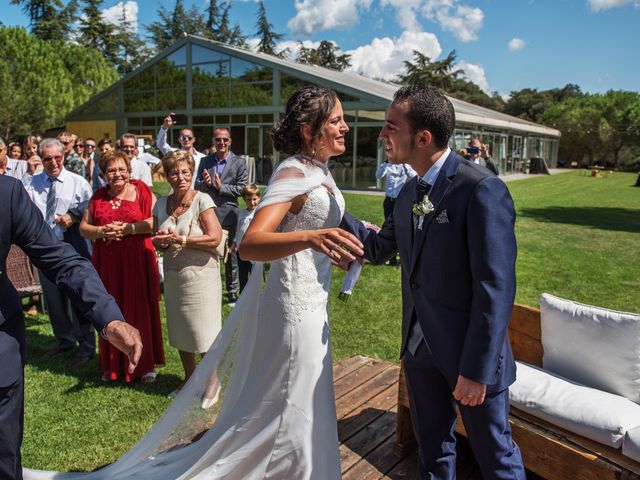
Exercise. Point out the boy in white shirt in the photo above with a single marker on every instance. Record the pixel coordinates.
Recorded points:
(251, 196)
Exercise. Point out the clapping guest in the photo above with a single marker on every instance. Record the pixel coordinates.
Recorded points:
(119, 221)
(188, 233)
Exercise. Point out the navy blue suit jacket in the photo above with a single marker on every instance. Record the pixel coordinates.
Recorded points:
(458, 272)
(21, 223)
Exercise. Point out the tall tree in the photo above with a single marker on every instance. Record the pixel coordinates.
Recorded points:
(268, 37)
(132, 52)
(440, 75)
(326, 55)
(174, 25)
(49, 19)
(43, 80)
(96, 32)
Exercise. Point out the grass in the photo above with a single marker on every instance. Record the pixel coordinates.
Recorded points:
(578, 238)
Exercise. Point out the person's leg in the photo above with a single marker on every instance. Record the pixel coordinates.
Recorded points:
(432, 415)
(188, 360)
(244, 267)
(489, 433)
(11, 426)
(84, 333)
(231, 268)
(61, 323)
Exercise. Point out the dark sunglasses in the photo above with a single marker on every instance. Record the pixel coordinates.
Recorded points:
(79, 145)
(222, 139)
(186, 137)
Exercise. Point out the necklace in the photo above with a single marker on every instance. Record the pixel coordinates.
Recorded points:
(117, 200)
(183, 207)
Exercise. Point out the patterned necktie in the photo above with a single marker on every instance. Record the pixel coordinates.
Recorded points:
(50, 213)
(422, 189)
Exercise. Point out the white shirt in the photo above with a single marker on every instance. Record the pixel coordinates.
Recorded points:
(432, 174)
(397, 175)
(72, 195)
(244, 219)
(148, 158)
(141, 171)
(16, 168)
(164, 147)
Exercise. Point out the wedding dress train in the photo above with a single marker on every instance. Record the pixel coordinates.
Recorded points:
(271, 364)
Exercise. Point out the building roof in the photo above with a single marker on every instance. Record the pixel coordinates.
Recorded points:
(376, 92)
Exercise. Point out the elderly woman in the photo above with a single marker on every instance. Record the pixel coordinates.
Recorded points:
(188, 233)
(119, 221)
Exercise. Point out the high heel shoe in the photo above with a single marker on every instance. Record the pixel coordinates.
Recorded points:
(208, 402)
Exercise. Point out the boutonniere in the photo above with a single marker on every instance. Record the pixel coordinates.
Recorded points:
(425, 207)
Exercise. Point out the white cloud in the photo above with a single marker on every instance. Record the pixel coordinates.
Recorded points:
(384, 57)
(462, 21)
(599, 5)
(114, 14)
(315, 15)
(474, 73)
(516, 44)
(406, 13)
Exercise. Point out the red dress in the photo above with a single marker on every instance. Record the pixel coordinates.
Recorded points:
(129, 271)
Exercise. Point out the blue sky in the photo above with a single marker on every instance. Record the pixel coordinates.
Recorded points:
(502, 45)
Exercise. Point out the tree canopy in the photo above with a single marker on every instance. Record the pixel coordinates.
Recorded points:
(43, 80)
(268, 37)
(326, 55)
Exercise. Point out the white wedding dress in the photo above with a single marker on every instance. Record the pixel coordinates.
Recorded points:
(275, 417)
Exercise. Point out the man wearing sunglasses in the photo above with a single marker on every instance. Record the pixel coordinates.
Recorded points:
(72, 161)
(187, 141)
(223, 175)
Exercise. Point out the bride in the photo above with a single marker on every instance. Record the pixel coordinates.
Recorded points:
(269, 372)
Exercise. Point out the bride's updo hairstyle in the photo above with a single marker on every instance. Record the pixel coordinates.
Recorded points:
(309, 105)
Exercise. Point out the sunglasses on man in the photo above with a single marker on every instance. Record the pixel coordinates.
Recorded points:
(186, 137)
(222, 139)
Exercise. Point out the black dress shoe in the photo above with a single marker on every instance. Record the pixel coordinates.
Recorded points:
(52, 352)
(77, 361)
(233, 298)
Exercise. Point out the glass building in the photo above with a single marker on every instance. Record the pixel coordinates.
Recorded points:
(217, 85)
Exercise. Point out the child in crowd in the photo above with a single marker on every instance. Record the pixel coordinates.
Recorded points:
(251, 196)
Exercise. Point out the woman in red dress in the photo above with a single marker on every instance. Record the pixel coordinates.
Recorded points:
(119, 221)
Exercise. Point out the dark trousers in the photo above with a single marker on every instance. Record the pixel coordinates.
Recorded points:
(11, 427)
(433, 416)
(68, 325)
(387, 208)
(231, 265)
(244, 269)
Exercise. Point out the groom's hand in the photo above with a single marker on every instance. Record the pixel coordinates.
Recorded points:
(126, 339)
(468, 392)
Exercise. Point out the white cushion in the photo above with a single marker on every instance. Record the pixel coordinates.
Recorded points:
(631, 444)
(593, 346)
(594, 414)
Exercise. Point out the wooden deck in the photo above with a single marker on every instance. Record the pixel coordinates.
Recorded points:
(366, 392)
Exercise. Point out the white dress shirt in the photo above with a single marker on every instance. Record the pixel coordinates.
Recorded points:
(164, 147)
(244, 219)
(141, 171)
(72, 195)
(432, 174)
(16, 168)
(396, 176)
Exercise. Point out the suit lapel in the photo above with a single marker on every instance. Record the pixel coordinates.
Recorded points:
(436, 195)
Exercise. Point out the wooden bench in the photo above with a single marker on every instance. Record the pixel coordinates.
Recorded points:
(547, 450)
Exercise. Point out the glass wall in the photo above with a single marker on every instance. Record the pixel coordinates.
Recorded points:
(219, 89)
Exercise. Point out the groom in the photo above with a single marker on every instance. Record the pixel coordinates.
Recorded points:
(458, 253)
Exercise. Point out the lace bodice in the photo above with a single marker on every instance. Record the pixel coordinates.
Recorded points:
(302, 281)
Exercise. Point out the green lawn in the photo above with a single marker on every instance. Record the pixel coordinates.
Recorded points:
(578, 238)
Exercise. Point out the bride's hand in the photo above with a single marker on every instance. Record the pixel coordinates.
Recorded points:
(337, 244)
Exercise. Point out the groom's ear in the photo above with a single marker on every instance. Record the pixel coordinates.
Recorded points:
(423, 138)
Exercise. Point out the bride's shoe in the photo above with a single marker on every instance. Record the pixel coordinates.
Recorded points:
(208, 402)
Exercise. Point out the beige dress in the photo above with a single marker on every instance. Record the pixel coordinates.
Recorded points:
(192, 287)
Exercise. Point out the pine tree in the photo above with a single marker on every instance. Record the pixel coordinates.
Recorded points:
(174, 25)
(132, 50)
(49, 19)
(98, 33)
(268, 37)
(325, 56)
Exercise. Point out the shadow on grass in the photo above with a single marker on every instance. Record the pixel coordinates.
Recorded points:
(87, 375)
(603, 218)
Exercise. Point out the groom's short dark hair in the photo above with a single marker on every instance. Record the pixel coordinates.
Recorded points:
(428, 110)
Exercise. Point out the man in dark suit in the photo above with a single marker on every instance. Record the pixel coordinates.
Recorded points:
(22, 224)
(223, 175)
(453, 225)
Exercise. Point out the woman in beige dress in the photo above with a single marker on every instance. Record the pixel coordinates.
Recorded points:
(188, 233)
